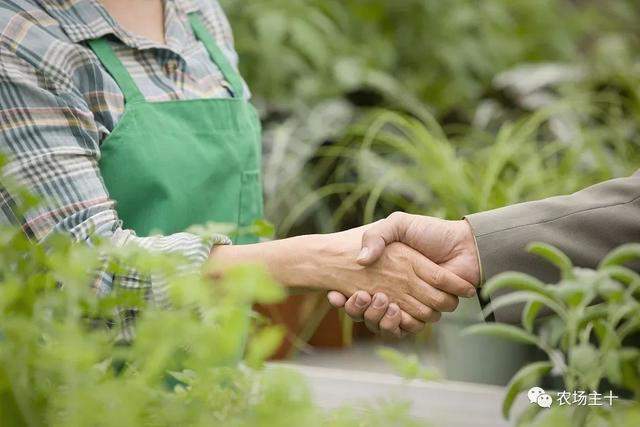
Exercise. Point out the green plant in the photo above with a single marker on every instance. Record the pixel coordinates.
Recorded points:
(391, 161)
(585, 339)
(443, 54)
(72, 356)
(407, 365)
(434, 71)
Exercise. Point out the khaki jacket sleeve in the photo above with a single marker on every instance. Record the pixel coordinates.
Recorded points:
(585, 225)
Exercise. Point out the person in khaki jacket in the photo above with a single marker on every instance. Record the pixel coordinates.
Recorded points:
(585, 225)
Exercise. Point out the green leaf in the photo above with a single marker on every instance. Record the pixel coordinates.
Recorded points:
(263, 228)
(264, 344)
(406, 365)
(620, 273)
(527, 377)
(509, 332)
(517, 281)
(252, 283)
(584, 358)
(621, 255)
(554, 256)
(593, 313)
(526, 417)
(523, 297)
(529, 314)
(613, 367)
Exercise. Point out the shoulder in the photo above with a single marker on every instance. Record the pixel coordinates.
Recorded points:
(34, 48)
(216, 20)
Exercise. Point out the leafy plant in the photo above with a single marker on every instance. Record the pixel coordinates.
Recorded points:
(407, 366)
(592, 315)
(443, 54)
(436, 74)
(71, 355)
(391, 161)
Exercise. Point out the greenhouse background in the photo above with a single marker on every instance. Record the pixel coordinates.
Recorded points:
(439, 108)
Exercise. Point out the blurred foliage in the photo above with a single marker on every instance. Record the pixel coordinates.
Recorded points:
(442, 108)
(444, 53)
(407, 366)
(586, 338)
(72, 356)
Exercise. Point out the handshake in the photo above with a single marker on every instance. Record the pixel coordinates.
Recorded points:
(410, 269)
(396, 274)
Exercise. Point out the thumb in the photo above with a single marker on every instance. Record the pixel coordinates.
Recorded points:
(376, 238)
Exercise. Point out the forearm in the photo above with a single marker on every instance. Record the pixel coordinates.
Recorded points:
(297, 262)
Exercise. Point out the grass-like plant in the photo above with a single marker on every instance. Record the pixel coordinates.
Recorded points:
(583, 324)
(391, 161)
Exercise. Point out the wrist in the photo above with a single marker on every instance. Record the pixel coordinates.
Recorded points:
(330, 260)
(301, 262)
(468, 249)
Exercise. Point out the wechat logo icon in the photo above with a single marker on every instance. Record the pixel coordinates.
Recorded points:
(538, 396)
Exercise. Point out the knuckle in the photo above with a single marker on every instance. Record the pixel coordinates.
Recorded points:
(437, 276)
(425, 313)
(440, 301)
(396, 216)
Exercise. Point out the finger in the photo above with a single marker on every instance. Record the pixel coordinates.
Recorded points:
(390, 323)
(433, 298)
(378, 236)
(336, 299)
(409, 324)
(443, 279)
(357, 304)
(419, 311)
(376, 311)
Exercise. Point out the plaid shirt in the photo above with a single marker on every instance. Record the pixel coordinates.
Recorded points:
(57, 104)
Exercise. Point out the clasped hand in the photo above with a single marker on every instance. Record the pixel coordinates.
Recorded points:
(414, 268)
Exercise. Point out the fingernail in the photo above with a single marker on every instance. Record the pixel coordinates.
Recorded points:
(364, 254)
(392, 310)
(361, 300)
(378, 301)
(471, 292)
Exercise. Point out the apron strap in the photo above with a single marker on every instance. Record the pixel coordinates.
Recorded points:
(114, 66)
(229, 73)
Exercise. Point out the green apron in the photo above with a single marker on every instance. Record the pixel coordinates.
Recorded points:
(169, 165)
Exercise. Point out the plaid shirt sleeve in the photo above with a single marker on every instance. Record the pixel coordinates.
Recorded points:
(52, 139)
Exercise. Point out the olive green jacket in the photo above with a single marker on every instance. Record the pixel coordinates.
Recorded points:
(585, 225)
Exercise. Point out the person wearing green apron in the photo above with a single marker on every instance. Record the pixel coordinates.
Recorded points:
(131, 123)
(161, 153)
